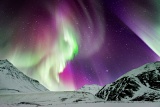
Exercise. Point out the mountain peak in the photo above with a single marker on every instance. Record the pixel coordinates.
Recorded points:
(142, 69)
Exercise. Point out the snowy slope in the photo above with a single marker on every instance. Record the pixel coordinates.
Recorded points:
(90, 88)
(14, 81)
(141, 84)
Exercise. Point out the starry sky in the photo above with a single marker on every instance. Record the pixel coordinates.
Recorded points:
(65, 44)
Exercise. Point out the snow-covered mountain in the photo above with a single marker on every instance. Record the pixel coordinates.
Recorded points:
(141, 84)
(93, 89)
(14, 81)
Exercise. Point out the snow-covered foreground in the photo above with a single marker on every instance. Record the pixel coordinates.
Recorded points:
(106, 104)
(64, 99)
(48, 98)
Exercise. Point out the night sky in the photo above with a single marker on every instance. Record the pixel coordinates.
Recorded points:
(66, 44)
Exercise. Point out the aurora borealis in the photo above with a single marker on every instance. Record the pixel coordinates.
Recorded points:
(66, 44)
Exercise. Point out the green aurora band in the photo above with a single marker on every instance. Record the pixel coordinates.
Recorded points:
(48, 66)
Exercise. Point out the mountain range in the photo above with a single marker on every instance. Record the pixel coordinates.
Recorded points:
(17, 89)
